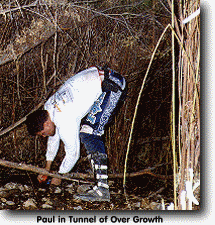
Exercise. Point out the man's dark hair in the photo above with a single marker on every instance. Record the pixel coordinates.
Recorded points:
(35, 121)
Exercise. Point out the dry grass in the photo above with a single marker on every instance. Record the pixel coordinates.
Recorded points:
(58, 40)
(189, 98)
(44, 42)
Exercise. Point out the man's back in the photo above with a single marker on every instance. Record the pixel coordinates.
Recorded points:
(76, 96)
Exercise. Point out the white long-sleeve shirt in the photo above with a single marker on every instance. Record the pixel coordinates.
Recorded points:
(66, 108)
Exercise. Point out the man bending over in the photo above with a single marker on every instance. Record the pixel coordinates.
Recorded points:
(92, 94)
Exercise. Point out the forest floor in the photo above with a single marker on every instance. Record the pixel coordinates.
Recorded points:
(23, 192)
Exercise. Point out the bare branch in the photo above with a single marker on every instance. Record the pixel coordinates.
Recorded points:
(72, 176)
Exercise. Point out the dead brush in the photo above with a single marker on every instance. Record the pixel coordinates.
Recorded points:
(45, 42)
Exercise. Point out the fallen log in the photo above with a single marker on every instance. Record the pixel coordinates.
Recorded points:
(35, 169)
(73, 176)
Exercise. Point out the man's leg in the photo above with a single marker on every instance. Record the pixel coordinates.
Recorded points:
(100, 191)
(91, 136)
(93, 144)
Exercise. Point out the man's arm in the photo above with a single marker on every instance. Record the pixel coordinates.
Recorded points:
(52, 148)
(48, 165)
(70, 137)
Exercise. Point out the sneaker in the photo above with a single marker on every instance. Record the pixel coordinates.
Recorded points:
(96, 194)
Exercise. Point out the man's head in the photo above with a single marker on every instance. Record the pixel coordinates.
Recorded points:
(39, 123)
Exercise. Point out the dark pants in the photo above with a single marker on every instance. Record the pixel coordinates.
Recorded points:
(93, 143)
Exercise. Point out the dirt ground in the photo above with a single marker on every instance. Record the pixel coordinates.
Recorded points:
(23, 192)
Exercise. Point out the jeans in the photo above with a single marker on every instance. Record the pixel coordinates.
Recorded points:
(92, 143)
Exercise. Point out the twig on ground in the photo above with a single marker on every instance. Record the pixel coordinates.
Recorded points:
(71, 176)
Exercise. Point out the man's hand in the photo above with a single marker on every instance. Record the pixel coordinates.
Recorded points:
(42, 178)
(56, 181)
